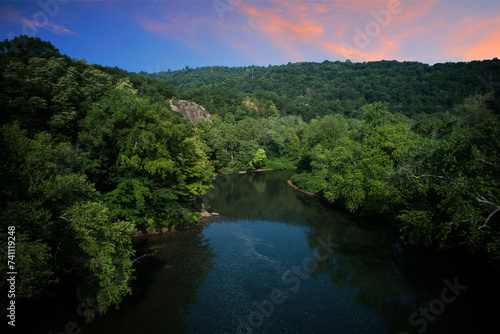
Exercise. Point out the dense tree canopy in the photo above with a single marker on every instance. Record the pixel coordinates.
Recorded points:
(442, 190)
(89, 154)
(317, 89)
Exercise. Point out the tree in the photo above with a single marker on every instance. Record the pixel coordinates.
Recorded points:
(150, 163)
(258, 160)
(52, 207)
(107, 250)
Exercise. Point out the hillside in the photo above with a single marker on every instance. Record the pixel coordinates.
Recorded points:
(318, 89)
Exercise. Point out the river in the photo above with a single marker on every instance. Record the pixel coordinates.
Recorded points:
(279, 261)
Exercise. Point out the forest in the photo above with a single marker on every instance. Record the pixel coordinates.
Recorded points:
(91, 154)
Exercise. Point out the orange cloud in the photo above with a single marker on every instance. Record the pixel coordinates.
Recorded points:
(359, 30)
(331, 27)
(275, 26)
(478, 39)
(487, 48)
(283, 27)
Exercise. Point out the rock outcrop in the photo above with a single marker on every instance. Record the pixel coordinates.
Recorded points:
(190, 110)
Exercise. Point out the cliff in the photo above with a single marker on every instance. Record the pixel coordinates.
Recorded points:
(190, 110)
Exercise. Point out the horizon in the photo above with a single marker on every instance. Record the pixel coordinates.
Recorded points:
(326, 60)
(157, 36)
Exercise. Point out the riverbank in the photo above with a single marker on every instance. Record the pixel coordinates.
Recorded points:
(301, 190)
(204, 214)
(252, 171)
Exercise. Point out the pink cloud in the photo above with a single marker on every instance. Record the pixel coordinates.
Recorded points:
(35, 20)
(478, 38)
(178, 25)
(9, 15)
(332, 27)
(301, 30)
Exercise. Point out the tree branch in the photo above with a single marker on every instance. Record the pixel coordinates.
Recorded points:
(481, 199)
(142, 256)
(429, 175)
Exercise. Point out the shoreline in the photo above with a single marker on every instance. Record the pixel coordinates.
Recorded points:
(204, 215)
(204, 212)
(220, 171)
(301, 190)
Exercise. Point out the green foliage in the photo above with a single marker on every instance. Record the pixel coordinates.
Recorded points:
(318, 89)
(258, 160)
(33, 254)
(46, 209)
(22, 46)
(418, 227)
(441, 185)
(106, 248)
(147, 159)
(279, 163)
(313, 183)
(233, 144)
(89, 153)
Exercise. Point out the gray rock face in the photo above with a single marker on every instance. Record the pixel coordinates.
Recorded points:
(191, 110)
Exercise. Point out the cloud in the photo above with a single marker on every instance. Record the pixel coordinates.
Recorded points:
(282, 31)
(9, 15)
(30, 23)
(330, 28)
(486, 48)
(183, 24)
(477, 38)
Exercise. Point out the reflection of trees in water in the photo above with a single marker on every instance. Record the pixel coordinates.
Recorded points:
(249, 196)
(391, 281)
(364, 261)
(166, 285)
(367, 256)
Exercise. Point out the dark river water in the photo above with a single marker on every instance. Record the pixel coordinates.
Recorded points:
(278, 261)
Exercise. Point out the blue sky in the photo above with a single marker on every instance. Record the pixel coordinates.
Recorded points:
(160, 35)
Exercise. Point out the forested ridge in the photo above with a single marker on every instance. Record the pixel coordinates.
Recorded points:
(92, 153)
(317, 89)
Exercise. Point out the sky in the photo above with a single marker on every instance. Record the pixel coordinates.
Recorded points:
(158, 35)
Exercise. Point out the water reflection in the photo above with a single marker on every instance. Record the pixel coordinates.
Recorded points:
(164, 290)
(336, 274)
(368, 267)
(166, 285)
